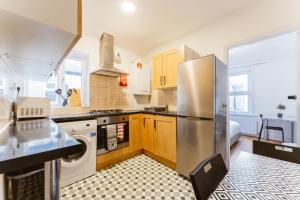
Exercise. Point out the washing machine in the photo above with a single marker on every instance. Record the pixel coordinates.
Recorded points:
(79, 166)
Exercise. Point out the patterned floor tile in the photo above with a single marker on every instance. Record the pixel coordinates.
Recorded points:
(137, 178)
(250, 177)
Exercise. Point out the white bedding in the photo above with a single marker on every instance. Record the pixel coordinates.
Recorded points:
(235, 128)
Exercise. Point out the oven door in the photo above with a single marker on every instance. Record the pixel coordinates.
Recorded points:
(101, 137)
(105, 137)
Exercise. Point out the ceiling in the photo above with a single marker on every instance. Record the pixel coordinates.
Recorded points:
(154, 21)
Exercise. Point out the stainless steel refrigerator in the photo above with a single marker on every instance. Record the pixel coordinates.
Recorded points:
(202, 112)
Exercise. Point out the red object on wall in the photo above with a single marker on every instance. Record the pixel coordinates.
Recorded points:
(139, 65)
(123, 81)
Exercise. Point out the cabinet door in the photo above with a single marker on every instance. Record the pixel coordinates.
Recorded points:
(135, 132)
(148, 133)
(157, 71)
(140, 78)
(165, 137)
(171, 60)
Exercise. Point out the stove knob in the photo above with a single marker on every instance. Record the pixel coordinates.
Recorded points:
(104, 121)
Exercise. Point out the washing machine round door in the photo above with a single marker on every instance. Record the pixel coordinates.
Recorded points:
(78, 158)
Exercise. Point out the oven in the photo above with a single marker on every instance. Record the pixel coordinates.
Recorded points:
(112, 133)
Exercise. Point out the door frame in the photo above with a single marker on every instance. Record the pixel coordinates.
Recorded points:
(297, 135)
(257, 38)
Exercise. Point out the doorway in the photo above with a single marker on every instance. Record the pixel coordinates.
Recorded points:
(263, 80)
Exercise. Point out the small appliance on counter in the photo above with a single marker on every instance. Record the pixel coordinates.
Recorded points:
(33, 107)
(156, 109)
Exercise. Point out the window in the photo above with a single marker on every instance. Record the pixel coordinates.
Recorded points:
(239, 95)
(3, 87)
(50, 88)
(71, 74)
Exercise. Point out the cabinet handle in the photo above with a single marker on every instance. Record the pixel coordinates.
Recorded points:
(164, 80)
(154, 124)
(144, 122)
(161, 80)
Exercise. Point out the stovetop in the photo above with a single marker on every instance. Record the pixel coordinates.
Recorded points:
(97, 112)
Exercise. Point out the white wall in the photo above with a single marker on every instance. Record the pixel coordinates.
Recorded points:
(266, 18)
(272, 87)
(275, 75)
(5, 108)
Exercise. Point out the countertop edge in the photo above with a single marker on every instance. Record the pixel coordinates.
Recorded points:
(70, 118)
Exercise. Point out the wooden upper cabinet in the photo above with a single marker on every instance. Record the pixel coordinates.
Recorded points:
(135, 132)
(165, 66)
(148, 133)
(171, 60)
(157, 71)
(165, 137)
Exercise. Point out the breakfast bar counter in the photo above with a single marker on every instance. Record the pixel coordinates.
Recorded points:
(33, 142)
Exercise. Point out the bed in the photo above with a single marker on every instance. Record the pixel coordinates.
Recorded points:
(235, 132)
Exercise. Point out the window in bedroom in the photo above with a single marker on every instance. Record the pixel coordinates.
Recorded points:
(239, 95)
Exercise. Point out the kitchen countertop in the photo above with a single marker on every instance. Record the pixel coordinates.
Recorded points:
(87, 116)
(33, 142)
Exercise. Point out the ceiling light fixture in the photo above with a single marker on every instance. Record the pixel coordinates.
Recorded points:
(128, 6)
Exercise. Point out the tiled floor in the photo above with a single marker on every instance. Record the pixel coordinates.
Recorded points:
(137, 178)
(144, 178)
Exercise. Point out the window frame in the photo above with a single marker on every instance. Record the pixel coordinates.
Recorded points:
(60, 76)
(249, 92)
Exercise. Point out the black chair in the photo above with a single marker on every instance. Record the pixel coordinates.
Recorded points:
(277, 151)
(267, 127)
(207, 176)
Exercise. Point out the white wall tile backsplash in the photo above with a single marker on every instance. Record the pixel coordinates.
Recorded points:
(167, 97)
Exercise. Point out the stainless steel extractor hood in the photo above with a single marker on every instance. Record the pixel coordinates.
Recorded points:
(107, 58)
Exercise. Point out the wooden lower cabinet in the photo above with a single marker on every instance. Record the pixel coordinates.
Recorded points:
(148, 133)
(159, 137)
(155, 135)
(114, 157)
(165, 137)
(135, 132)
